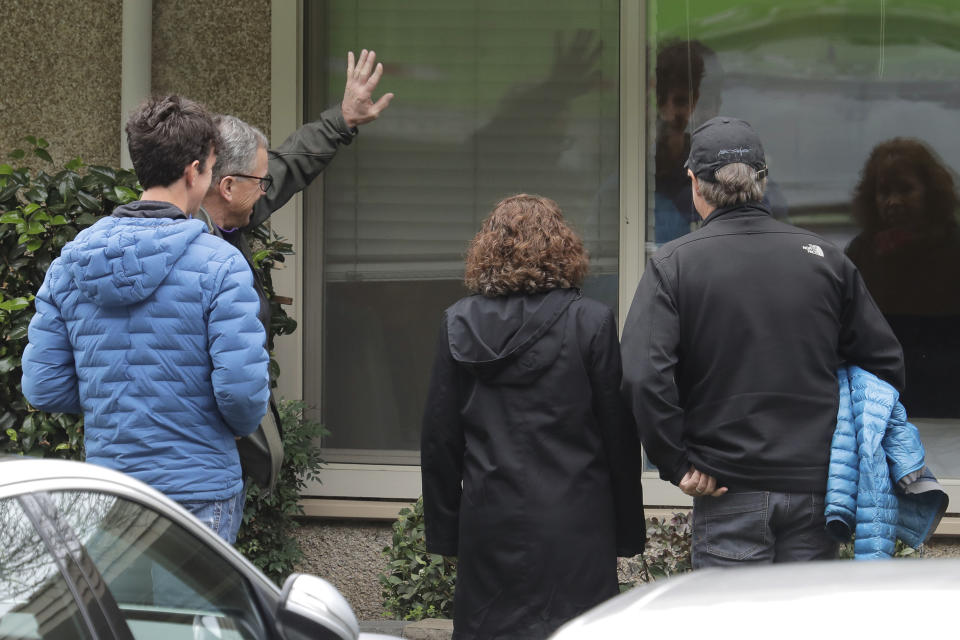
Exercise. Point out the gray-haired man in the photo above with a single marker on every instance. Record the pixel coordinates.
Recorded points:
(730, 353)
(250, 182)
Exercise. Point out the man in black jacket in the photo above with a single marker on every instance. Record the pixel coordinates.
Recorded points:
(730, 353)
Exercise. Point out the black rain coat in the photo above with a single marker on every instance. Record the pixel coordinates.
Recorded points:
(531, 470)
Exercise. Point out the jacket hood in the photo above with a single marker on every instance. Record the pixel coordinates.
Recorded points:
(121, 260)
(507, 340)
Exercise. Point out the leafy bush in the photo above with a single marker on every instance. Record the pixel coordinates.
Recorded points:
(269, 250)
(266, 537)
(901, 550)
(40, 212)
(416, 584)
(667, 551)
(668, 546)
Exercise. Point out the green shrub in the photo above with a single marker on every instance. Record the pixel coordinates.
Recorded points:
(668, 546)
(267, 537)
(901, 550)
(416, 584)
(667, 551)
(41, 211)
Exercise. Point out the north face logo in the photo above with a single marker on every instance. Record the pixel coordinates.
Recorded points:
(814, 249)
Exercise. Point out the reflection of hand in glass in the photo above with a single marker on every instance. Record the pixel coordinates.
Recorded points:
(575, 69)
(533, 120)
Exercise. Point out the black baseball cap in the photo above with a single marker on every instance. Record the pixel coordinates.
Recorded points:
(721, 141)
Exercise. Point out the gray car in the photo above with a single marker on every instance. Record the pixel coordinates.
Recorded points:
(86, 552)
(837, 599)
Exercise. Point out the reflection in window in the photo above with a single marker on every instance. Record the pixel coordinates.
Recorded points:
(493, 98)
(166, 583)
(35, 601)
(856, 105)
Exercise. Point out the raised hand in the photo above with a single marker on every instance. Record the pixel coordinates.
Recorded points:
(358, 106)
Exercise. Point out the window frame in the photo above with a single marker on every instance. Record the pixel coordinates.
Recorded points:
(344, 480)
(401, 483)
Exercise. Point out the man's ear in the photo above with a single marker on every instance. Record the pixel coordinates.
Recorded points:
(225, 187)
(191, 172)
(694, 181)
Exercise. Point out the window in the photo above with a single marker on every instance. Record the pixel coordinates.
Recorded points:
(493, 98)
(35, 600)
(166, 583)
(856, 104)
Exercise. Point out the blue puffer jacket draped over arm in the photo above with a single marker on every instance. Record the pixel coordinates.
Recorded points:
(878, 484)
(149, 327)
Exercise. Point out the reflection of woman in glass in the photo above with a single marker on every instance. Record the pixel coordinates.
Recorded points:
(530, 465)
(909, 256)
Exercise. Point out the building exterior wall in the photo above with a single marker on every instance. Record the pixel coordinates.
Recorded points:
(62, 82)
(61, 77)
(217, 53)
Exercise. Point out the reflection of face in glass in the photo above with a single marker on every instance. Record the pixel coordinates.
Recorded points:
(674, 109)
(900, 197)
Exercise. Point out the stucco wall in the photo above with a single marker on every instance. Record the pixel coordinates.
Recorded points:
(60, 77)
(217, 53)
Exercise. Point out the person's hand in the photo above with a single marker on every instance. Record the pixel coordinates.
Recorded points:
(358, 106)
(697, 484)
(575, 69)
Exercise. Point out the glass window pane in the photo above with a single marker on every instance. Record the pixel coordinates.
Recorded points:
(856, 105)
(492, 99)
(166, 583)
(35, 600)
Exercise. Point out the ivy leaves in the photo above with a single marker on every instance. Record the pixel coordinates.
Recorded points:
(40, 211)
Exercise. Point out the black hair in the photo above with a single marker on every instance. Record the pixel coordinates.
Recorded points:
(167, 133)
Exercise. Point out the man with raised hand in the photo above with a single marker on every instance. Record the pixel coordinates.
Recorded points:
(251, 181)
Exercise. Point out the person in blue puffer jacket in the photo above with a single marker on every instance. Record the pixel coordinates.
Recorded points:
(148, 326)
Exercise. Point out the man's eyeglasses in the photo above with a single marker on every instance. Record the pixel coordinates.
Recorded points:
(265, 182)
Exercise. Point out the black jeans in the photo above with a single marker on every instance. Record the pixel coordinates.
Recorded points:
(760, 527)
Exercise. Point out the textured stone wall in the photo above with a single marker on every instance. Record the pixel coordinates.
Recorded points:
(217, 53)
(60, 77)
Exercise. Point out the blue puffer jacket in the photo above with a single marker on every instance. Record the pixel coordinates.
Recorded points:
(874, 448)
(148, 326)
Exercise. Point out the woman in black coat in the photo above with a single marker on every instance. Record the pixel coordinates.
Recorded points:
(531, 469)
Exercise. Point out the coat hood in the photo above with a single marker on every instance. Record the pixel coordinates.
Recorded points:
(507, 340)
(122, 260)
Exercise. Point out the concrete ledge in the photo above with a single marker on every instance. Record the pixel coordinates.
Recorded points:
(338, 509)
(343, 509)
(429, 629)
(386, 627)
(426, 629)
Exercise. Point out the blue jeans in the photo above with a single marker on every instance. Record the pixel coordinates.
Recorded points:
(760, 527)
(222, 516)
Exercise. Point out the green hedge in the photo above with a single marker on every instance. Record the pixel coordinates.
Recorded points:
(41, 211)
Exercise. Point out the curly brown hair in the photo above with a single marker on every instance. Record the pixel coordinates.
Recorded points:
(941, 198)
(524, 246)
